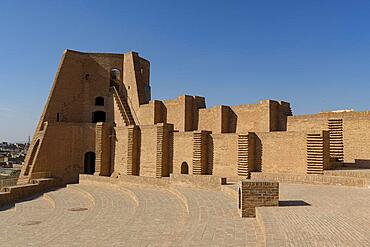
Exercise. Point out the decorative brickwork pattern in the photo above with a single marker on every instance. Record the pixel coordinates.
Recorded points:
(200, 152)
(98, 147)
(102, 147)
(243, 169)
(159, 155)
(246, 154)
(315, 154)
(132, 166)
(256, 193)
(336, 139)
(197, 153)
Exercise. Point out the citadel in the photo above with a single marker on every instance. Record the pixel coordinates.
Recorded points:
(100, 119)
(139, 171)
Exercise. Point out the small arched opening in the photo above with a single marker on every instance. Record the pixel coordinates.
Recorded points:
(184, 168)
(115, 77)
(99, 101)
(98, 116)
(89, 163)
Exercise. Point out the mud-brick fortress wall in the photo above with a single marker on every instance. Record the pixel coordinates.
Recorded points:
(214, 146)
(59, 149)
(65, 132)
(267, 115)
(143, 150)
(224, 154)
(182, 151)
(154, 150)
(292, 152)
(80, 79)
(155, 138)
(354, 137)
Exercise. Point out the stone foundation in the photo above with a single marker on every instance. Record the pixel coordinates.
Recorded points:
(256, 193)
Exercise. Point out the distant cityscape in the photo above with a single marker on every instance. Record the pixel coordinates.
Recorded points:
(12, 157)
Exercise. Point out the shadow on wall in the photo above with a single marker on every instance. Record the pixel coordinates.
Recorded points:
(170, 154)
(138, 154)
(233, 121)
(89, 163)
(291, 203)
(362, 163)
(357, 165)
(113, 150)
(258, 154)
(210, 155)
(164, 113)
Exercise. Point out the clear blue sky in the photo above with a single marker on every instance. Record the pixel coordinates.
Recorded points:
(314, 54)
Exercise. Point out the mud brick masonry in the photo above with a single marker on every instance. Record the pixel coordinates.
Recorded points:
(177, 172)
(255, 193)
(100, 119)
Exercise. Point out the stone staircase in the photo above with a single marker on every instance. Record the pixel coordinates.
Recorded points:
(123, 107)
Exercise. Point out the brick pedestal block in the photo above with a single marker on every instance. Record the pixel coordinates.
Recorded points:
(256, 193)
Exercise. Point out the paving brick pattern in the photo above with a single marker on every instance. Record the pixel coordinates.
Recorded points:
(128, 215)
(214, 221)
(135, 215)
(337, 216)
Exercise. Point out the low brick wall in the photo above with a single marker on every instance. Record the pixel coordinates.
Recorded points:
(145, 180)
(98, 179)
(256, 193)
(125, 179)
(311, 179)
(17, 193)
(205, 181)
(365, 174)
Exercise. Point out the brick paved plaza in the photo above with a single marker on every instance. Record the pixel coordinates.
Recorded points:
(101, 214)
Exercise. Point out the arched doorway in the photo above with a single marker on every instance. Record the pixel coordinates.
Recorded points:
(184, 168)
(98, 116)
(89, 163)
